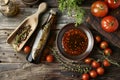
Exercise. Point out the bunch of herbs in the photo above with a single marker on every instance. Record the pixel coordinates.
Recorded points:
(73, 9)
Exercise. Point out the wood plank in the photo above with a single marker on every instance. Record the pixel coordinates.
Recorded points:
(113, 37)
(7, 53)
(51, 3)
(47, 71)
(30, 71)
(12, 66)
(12, 23)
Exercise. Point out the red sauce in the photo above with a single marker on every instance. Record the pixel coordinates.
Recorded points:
(74, 42)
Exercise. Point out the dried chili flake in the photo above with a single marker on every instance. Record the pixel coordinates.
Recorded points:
(74, 42)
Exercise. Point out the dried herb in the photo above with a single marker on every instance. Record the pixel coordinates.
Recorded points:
(22, 34)
(72, 7)
(71, 66)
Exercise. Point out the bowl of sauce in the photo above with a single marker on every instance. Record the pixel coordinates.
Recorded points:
(74, 43)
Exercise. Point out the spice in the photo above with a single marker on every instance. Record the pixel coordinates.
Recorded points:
(8, 8)
(74, 42)
(22, 34)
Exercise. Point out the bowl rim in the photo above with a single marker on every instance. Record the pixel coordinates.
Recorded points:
(30, 3)
(61, 51)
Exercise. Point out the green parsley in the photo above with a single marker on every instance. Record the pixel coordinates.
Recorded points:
(72, 7)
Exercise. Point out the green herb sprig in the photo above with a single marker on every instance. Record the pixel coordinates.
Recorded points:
(72, 7)
(22, 34)
(70, 66)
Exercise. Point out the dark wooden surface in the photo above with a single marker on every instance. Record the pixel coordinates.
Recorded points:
(14, 66)
(113, 37)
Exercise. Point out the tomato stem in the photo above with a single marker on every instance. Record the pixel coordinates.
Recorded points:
(101, 7)
(110, 60)
(112, 23)
(115, 1)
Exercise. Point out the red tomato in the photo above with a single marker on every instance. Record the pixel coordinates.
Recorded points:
(113, 3)
(106, 63)
(27, 49)
(107, 51)
(95, 64)
(93, 74)
(85, 76)
(100, 70)
(49, 58)
(88, 60)
(99, 9)
(109, 24)
(103, 45)
(97, 38)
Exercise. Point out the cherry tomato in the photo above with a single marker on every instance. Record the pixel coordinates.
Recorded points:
(113, 3)
(85, 76)
(109, 24)
(100, 70)
(93, 74)
(106, 63)
(88, 60)
(95, 64)
(107, 51)
(98, 38)
(49, 58)
(99, 9)
(103, 44)
(27, 49)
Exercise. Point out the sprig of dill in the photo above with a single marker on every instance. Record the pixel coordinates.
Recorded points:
(72, 8)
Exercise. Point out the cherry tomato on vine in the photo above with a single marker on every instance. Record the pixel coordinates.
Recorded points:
(95, 64)
(88, 60)
(49, 58)
(93, 74)
(99, 9)
(109, 24)
(107, 51)
(85, 76)
(98, 38)
(103, 44)
(100, 70)
(106, 63)
(27, 49)
(113, 3)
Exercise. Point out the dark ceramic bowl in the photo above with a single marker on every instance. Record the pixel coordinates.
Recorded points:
(30, 2)
(60, 47)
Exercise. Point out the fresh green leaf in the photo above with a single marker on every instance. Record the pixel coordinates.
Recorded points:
(72, 6)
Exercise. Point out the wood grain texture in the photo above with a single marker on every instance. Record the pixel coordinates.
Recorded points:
(113, 37)
(14, 66)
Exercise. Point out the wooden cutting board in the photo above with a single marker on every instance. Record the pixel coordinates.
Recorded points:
(114, 37)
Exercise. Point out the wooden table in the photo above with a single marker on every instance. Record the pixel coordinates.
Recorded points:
(14, 66)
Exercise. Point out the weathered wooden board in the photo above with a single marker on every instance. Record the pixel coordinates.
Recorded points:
(95, 22)
(14, 66)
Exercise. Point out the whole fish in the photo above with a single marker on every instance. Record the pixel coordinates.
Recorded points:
(41, 39)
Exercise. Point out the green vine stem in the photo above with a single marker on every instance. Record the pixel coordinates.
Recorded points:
(81, 68)
(110, 60)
